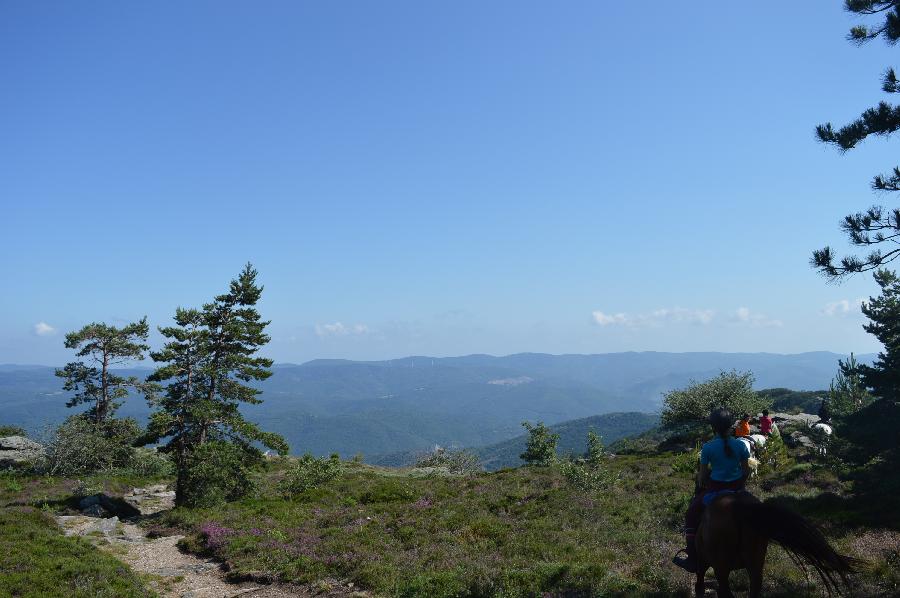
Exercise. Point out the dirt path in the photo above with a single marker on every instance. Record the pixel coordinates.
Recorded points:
(171, 572)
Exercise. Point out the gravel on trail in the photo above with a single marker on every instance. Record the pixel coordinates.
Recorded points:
(171, 572)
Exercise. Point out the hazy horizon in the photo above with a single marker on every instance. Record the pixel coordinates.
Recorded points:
(148, 364)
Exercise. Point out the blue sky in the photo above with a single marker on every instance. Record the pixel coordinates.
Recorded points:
(415, 178)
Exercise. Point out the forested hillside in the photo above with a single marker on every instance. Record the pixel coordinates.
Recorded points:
(412, 404)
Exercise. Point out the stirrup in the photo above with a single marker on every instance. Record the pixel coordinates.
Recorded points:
(684, 561)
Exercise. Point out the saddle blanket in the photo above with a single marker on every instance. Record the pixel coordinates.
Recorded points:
(714, 494)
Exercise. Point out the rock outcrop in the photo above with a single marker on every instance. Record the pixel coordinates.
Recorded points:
(101, 505)
(15, 450)
(805, 419)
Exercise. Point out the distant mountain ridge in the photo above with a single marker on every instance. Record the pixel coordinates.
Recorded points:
(414, 403)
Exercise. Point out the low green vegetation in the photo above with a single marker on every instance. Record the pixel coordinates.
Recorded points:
(454, 462)
(516, 532)
(37, 561)
(307, 472)
(12, 431)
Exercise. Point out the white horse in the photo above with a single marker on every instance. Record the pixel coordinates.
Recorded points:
(825, 428)
(754, 467)
(759, 439)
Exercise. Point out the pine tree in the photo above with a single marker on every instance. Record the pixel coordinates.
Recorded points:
(183, 406)
(210, 357)
(874, 430)
(883, 376)
(595, 452)
(877, 225)
(848, 394)
(541, 445)
(101, 347)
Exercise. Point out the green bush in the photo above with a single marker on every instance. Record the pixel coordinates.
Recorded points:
(687, 461)
(541, 446)
(692, 405)
(595, 453)
(455, 462)
(87, 487)
(80, 446)
(774, 455)
(12, 431)
(149, 463)
(586, 476)
(308, 472)
(216, 472)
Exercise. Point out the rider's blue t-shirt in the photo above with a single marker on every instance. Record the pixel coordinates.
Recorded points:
(722, 467)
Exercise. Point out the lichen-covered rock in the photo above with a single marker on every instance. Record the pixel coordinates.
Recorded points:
(18, 449)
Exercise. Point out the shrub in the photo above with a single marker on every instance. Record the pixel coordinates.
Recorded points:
(541, 447)
(692, 405)
(687, 461)
(589, 473)
(87, 487)
(216, 472)
(455, 462)
(80, 446)
(774, 455)
(309, 472)
(595, 453)
(150, 463)
(12, 431)
(586, 476)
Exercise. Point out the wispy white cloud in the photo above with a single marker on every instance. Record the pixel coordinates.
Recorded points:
(744, 316)
(339, 329)
(842, 307)
(604, 319)
(682, 315)
(657, 317)
(44, 329)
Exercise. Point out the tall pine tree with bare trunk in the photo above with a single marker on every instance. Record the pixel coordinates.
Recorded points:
(100, 348)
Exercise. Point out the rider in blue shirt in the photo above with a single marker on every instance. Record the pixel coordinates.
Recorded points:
(723, 466)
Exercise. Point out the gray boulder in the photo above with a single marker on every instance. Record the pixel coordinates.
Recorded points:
(18, 449)
(105, 526)
(94, 510)
(100, 505)
(805, 419)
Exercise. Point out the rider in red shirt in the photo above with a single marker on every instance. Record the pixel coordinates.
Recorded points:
(765, 423)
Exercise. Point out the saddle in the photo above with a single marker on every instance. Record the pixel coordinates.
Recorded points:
(711, 496)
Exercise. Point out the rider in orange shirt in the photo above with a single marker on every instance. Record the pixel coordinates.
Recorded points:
(743, 427)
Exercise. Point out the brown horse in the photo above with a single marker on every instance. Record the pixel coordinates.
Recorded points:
(735, 532)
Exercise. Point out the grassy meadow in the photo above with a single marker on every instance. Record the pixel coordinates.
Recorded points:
(516, 532)
(412, 532)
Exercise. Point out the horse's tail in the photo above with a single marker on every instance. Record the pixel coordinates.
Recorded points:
(801, 540)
